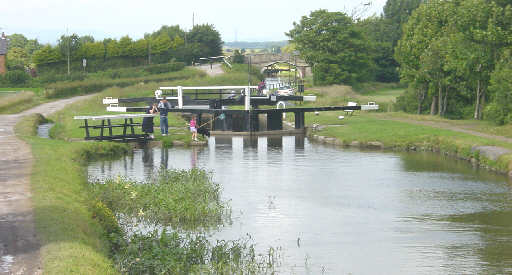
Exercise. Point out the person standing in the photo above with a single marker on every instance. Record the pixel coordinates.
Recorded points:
(164, 107)
(147, 122)
(193, 128)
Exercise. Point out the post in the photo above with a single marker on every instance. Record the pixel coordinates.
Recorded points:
(180, 97)
(248, 98)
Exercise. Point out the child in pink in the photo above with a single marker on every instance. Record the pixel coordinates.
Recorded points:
(193, 128)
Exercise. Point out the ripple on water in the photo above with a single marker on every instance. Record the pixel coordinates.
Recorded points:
(404, 213)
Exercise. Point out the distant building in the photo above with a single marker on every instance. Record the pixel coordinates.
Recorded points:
(4, 42)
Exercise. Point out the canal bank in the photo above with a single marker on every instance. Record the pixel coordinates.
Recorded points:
(331, 209)
(66, 218)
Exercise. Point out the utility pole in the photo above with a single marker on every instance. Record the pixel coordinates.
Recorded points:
(149, 51)
(69, 46)
(249, 69)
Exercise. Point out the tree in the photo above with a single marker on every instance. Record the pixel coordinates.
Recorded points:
(47, 55)
(396, 14)
(86, 39)
(500, 110)
(125, 46)
(17, 58)
(453, 47)
(69, 46)
(207, 40)
(17, 41)
(334, 45)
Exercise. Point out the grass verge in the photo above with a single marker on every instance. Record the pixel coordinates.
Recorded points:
(72, 241)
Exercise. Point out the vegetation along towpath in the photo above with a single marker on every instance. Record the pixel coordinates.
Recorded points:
(19, 246)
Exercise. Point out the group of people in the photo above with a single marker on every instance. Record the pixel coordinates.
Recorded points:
(163, 108)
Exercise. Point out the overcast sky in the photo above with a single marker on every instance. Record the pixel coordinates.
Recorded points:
(261, 20)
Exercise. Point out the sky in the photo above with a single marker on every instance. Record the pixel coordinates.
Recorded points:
(263, 20)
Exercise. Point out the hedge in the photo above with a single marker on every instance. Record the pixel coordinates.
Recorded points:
(67, 89)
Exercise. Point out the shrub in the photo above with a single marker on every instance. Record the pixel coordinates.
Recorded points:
(14, 78)
(164, 68)
(66, 89)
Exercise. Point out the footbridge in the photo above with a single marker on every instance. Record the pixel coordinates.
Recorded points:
(265, 60)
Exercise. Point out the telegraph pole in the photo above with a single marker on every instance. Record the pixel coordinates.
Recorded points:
(69, 46)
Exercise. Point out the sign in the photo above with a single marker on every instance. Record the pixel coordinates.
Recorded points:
(84, 62)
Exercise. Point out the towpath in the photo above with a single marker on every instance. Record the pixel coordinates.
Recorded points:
(449, 126)
(213, 70)
(19, 245)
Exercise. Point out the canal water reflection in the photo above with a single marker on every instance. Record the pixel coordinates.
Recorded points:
(342, 211)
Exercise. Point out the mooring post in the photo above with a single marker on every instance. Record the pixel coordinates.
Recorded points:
(131, 126)
(109, 127)
(180, 97)
(86, 125)
(254, 123)
(299, 120)
(248, 98)
(101, 130)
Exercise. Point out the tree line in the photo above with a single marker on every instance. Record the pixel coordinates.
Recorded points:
(455, 56)
(166, 44)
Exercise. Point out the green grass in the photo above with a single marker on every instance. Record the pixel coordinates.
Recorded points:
(36, 91)
(365, 128)
(183, 199)
(66, 127)
(11, 103)
(393, 130)
(72, 241)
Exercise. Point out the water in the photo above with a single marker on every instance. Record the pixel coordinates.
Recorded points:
(339, 211)
(43, 130)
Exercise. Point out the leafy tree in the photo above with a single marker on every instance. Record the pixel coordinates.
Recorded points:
(92, 50)
(171, 31)
(86, 39)
(160, 44)
(125, 46)
(47, 55)
(207, 40)
(140, 48)
(500, 110)
(396, 14)
(17, 41)
(69, 44)
(113, 48)
(31, 46)
(17, 58)
(334, 45)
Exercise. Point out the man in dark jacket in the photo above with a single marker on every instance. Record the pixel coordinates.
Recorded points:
(163, 108)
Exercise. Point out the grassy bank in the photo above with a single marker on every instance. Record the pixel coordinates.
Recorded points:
(72, 241)
(68, 128)
(15, 100)
(398, 131)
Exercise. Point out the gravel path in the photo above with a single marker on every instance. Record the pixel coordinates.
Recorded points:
(448, 126)
(214, 70)
(19, 246)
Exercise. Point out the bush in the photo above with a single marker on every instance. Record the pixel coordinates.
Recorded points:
(165, 68)
(66, 89)
(408, 102)
(16, 78)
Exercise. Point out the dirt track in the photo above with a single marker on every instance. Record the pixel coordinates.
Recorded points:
(19, 245)
(213, 70)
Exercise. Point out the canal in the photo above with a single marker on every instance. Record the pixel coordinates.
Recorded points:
(340, 211)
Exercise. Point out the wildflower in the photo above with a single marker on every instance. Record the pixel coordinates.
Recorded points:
(141, 213)
(133, 194)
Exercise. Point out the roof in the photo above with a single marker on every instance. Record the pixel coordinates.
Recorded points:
(3, 46)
